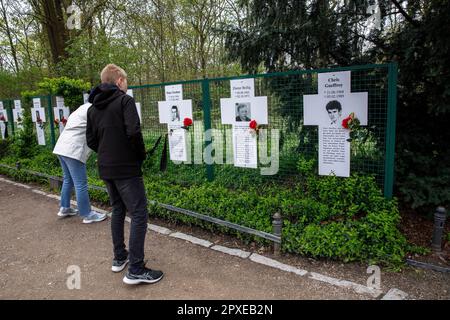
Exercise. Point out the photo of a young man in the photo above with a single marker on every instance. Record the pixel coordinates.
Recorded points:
(334, 110)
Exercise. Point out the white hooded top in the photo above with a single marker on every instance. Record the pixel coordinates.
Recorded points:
(72, 141)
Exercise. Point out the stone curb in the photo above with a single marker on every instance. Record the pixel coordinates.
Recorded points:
(234, 252)
(192, 239)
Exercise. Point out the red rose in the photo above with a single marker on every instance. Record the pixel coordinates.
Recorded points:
(253, 125)
(2, 118)
(56, 121)
(346, 122)
(64, 121)
(187, 122)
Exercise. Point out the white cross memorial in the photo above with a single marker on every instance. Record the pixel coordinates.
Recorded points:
(85, 98)
(333, 103)
(38, 117)
(138, 105)
(3, 120)
(61, 113)
(238, 111)
(172, 112)
(18, 113)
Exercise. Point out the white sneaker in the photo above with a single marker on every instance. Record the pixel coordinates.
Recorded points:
(95, 216)
(67, 212)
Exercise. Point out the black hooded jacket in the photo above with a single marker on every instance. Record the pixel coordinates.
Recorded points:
(114, 132)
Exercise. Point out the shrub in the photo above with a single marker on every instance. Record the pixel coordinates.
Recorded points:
(4, 147)
(71, 89)
(23, 145)
(337, 240)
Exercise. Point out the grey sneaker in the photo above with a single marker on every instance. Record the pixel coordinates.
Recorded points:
(67, 212)
(119, 265)
(94, 216)
(146, 276)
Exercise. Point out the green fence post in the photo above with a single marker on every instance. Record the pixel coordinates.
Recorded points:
(207, 121)
(50, 120)
(10, 116)
(390, 130)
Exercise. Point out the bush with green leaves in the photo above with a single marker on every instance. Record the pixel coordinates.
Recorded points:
(71, 89)
(23, 144)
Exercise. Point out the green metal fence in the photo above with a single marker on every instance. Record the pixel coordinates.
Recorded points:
(285, 108)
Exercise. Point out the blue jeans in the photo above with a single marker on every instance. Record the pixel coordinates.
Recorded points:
(75, 175)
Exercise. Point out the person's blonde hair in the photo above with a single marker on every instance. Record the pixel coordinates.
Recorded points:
(111, 73)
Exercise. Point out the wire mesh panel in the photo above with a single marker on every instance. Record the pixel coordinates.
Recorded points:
(296, 141)
(155, 134)
(286, 140)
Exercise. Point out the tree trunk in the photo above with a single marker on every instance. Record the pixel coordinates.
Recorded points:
(53, 23)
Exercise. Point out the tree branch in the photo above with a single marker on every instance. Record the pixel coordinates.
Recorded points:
(405, 14)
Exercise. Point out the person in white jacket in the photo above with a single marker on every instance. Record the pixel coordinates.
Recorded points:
(73, 152)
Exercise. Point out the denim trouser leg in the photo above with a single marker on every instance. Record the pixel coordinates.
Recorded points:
(67, 185)
(77, 172)
(132, 194)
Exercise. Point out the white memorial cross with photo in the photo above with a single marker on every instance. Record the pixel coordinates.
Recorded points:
(138, 105)
(18, 113)
(38, 117)
(333, 103)
(61, 113)
(172, 112)
(85, 98)
(3, 120)
(238, 111)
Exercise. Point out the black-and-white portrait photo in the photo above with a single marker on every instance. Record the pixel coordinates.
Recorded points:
(61, 114)
(243, 112)
(334, 110)
(174, 114)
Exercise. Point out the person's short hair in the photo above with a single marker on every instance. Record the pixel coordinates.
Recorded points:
(240, 106)
(334, 105)
(175, 107)
(111, 73)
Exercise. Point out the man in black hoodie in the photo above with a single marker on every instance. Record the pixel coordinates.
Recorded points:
(114, 132)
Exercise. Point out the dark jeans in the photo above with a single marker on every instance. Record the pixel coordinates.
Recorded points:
(128, 195)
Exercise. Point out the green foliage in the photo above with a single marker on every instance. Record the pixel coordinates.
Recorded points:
(23, 144)
(4, 147)
(423, 156)
(12, 84)
(346, 219)
(414, 249)
(311, 33)
(71, 89)
(306, 166)
(337, 240)
(373, 238)
(383, 241)
(27, 95)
